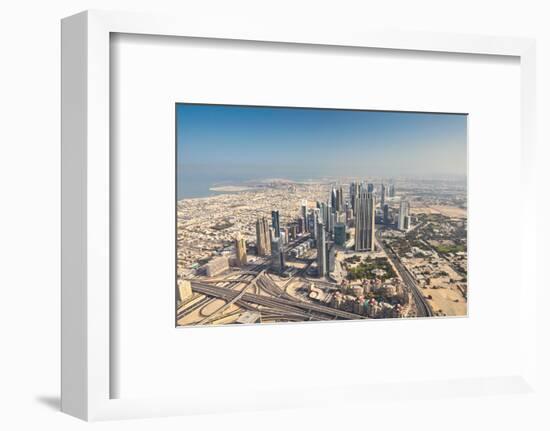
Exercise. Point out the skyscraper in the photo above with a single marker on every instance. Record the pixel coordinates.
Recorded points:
(304, 215)
(292, 232)
(391, 191)
(364, 220)
(284, 235)
(275, 223)
(315, 219)
(333, 198)
(301, 225)
(240, 250)
(312, 224)
(331, 257)
(353, 194)
(339, 206)
(321, 251)
(382, 195)
(386, 214)
(349, 215)
(340, 233)
(263, 240)
(403, 213)
(331, 222)
(324, 212)
(277, 255)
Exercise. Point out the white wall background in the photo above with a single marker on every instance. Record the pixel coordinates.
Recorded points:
(29, 196)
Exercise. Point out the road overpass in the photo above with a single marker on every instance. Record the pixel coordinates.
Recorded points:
(308, 309)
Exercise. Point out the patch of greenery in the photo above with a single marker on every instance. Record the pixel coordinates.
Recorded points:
(352, 259)
(446, 249)
(366, 269)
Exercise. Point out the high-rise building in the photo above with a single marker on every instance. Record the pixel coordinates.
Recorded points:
(324, 212)
(304, 215)
(331, 257)
(370, 188)
(275, 223)
(364, 220)
(317, 214)
(353, 189)
(403, 213)
(263, 240)
(301, 228)
(349, 214)
(240, 250)
(292, 231)
(277, 255)
(386, 214)
(340, 233)
(312, 224)
(333, 198)
(283, 236)
(321, 251)
(339, 206)
(383, 192)
(391, 193)
(331, 222)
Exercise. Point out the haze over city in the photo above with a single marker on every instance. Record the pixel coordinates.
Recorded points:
(218, 143)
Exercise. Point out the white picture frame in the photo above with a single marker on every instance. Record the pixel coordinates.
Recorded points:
(86, 312)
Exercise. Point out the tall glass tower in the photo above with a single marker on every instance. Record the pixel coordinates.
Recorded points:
(364, 220)
(321, 250)
(275, 224)
(403, 214)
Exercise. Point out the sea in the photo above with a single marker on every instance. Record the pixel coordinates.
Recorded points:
(198, 185)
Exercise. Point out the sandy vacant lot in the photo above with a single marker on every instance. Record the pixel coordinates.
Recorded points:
(445, 294)
(444, 300)
(448, 211)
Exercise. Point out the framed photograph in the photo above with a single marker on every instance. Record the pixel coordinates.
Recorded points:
(311, 215)
(246, 210)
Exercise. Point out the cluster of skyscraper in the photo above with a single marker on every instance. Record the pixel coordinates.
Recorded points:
(270, 242)
(263, 237)
(327, 224)
(240, 250)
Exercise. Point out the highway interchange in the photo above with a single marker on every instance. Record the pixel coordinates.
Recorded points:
(254, 290)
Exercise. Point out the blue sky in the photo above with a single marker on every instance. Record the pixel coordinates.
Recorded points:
(238, 142)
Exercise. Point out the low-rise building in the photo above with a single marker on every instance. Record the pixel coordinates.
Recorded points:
(216, 266)
(184, 290)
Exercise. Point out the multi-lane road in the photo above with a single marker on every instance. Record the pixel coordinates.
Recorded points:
(280, 303)
(423, 308)
(254, 290)
(193, 305)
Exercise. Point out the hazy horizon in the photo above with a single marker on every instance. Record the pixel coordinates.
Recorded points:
(221, 144)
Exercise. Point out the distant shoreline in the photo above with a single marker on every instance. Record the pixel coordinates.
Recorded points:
(230, 189)
(207, 189)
